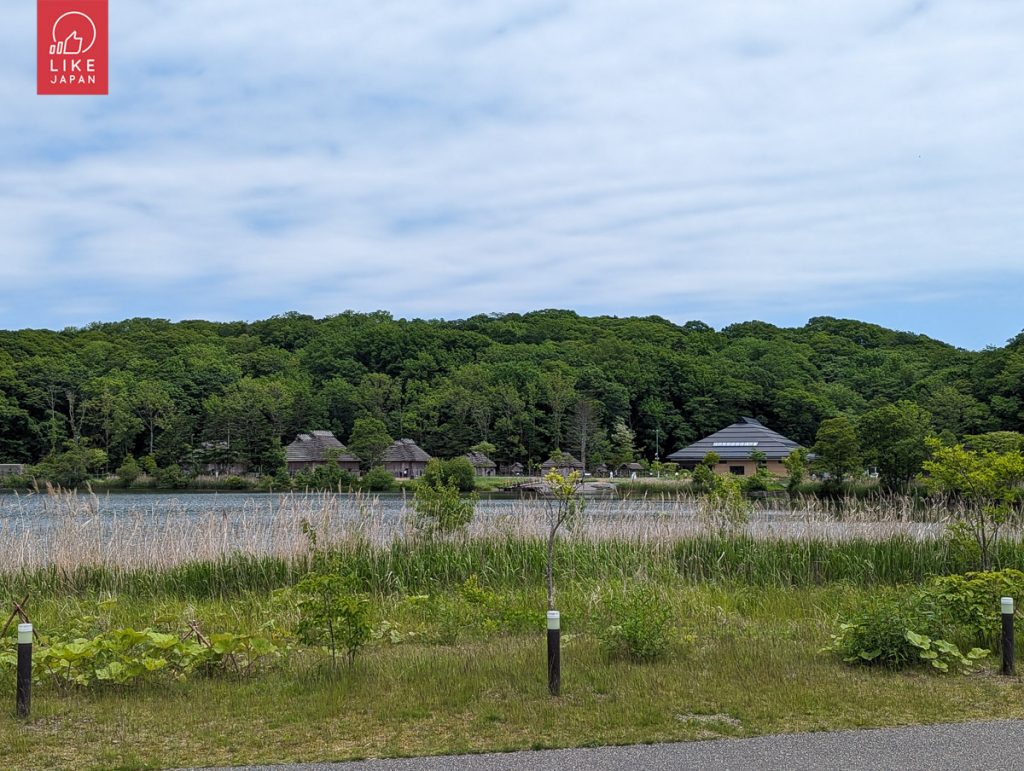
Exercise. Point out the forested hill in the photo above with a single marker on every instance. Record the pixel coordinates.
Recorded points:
(526, 383)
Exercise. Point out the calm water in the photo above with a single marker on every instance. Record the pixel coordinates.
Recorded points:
(152, 511)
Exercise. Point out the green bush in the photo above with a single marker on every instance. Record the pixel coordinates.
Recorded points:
(442, 510)
(457, 472)
(332, 615)
(128, 471)
(171, 478)
(968, 604)
(926, 625)
(126, 656)
(638, 624)
(877, 635)
(377, 480)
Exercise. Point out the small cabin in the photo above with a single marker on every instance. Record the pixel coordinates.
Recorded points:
(318, 448)
(405, 459)
(482, 465)
(563, 463)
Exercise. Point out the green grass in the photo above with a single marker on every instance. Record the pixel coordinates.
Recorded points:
(406, 566)
(754, 667)
(467, 675)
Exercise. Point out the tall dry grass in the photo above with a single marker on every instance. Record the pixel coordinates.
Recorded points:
(64, 531)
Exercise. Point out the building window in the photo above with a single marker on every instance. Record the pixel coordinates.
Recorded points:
(737, 470)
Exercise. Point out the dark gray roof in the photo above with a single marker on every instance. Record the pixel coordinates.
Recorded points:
(565, 460)
(313, 447)
(405, 451)
(736, 442)
(479, 460)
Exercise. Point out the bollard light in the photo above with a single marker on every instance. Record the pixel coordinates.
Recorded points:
(1006, 604)
(554, 652)
(23, 695)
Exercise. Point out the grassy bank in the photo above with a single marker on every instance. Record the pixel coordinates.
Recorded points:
(746, 661)
(456, 663)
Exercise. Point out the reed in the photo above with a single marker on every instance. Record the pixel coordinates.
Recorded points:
(70, 543)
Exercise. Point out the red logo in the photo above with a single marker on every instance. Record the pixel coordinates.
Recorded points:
(72, 47)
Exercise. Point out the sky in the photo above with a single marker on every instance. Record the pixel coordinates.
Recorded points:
(722, 161)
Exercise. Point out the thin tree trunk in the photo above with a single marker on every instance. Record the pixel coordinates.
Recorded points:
(551, 561)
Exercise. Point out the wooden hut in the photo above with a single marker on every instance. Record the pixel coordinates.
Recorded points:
(482, 465)
(405, 459)
(562, 462)
(318, 448)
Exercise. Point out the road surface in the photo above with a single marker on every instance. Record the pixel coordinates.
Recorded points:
(993, 746)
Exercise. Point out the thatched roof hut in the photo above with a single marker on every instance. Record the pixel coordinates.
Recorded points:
(312, 450)
(405, 459)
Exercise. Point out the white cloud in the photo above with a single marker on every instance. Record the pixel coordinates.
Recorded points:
(451, 157)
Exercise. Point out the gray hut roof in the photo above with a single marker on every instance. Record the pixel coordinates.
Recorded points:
(313, 447)
(737, 442)
(479, 460)
(405, 451)
(565, 460)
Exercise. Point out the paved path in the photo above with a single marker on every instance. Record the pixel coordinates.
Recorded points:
(993, 746)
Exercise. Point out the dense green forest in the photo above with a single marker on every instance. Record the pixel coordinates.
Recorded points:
(525, 383)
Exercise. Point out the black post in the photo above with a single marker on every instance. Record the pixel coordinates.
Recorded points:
(554, 653)
(24, 686)
(1008, 648)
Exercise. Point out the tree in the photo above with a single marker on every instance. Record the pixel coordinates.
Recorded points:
(485, 448)
(837, 449)
(128, 471)
(623, 444)
(893, 438)
(457, 473)
(369, 440)
(796, 465)
(153, 404)
(563, 511)
(74, 466)
(995, 441)
(988, 484)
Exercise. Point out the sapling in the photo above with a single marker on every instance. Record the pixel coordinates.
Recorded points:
(563, 510)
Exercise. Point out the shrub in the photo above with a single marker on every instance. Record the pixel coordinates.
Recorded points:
(333, 616)
(969, 603)
(377, 480)
(898, 631)
(441, 510)
(877, 635)
(235, 483)
(171, 478)
(457, 472)
(128, 471)
(638, 624)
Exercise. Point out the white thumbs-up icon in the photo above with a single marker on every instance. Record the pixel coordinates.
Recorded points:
(71, 46)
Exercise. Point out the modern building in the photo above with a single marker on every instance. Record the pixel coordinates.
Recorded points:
(482, 465)
(318, 448)
(405, 459)
(734, 445)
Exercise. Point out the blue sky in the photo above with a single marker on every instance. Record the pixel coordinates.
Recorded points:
(721, 161)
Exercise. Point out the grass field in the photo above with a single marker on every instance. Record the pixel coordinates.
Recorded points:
(459, 664)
